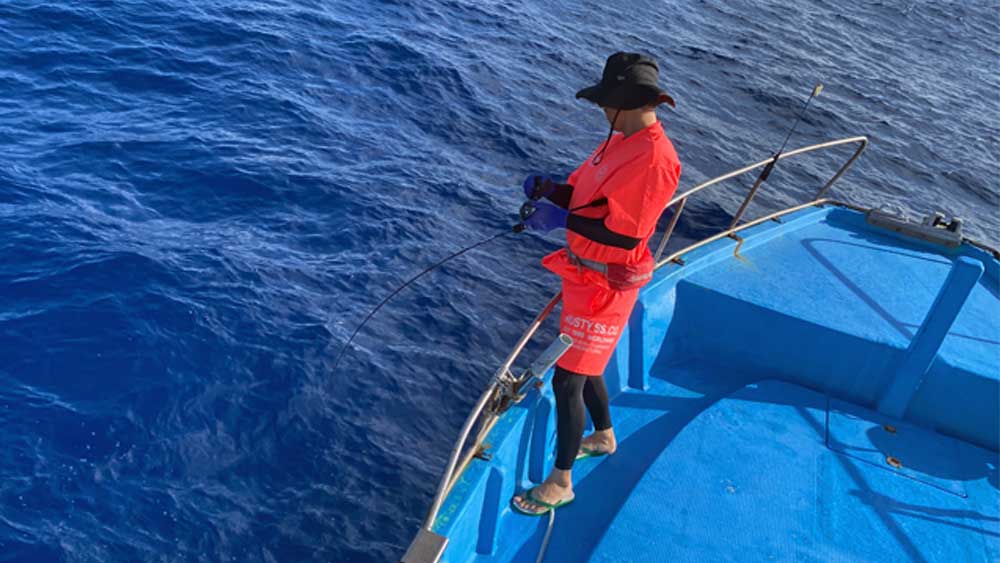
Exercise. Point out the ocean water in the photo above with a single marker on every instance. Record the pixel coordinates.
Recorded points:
(200, 200)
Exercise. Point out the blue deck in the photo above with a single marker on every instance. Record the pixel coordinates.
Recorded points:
(719, 491)
(746, 398)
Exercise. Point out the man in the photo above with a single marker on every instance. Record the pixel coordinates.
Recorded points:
(609, 207)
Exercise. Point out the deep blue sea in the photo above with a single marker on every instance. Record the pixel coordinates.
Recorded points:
(199, 200)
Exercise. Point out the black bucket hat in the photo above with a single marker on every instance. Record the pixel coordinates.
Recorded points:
(628, 82)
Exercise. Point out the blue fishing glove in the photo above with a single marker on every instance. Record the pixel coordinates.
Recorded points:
(546, 217)
(537, 186)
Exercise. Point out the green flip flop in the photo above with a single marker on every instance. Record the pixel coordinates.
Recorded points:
(548, 507)
(587, 452)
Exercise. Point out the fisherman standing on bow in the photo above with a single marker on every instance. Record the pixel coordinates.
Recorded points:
(609, 207)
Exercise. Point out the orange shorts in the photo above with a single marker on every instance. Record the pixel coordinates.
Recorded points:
(594, 317)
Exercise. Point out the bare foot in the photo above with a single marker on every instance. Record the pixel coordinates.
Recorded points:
(549, 492)
(601, 441)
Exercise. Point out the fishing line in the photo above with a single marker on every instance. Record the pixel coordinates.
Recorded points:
(527, 209)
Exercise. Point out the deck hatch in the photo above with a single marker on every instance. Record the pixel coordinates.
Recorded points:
(924, 456)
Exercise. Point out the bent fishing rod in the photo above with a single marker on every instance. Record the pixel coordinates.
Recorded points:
(527, 209)
(766, 172)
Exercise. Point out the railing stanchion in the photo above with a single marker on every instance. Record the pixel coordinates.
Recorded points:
(670, 230)
(848, 164)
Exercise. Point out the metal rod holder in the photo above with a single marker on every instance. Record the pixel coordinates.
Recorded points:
(551, 355)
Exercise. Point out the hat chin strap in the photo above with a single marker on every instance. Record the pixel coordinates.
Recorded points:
(597, 160)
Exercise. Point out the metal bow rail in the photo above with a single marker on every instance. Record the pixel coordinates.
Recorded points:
(504, 388)
(680, 200)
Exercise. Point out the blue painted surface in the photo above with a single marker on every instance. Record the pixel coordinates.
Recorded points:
(744, 400)
(925, 344)
(751, 478)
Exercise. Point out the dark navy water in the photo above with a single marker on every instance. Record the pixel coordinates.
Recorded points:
(200, 199)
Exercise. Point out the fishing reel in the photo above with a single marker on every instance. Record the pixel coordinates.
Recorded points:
(527, 210)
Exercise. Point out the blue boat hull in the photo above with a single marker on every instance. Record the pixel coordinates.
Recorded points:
(757, 398)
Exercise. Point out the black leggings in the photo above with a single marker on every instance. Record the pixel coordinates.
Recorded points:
(573, 391)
